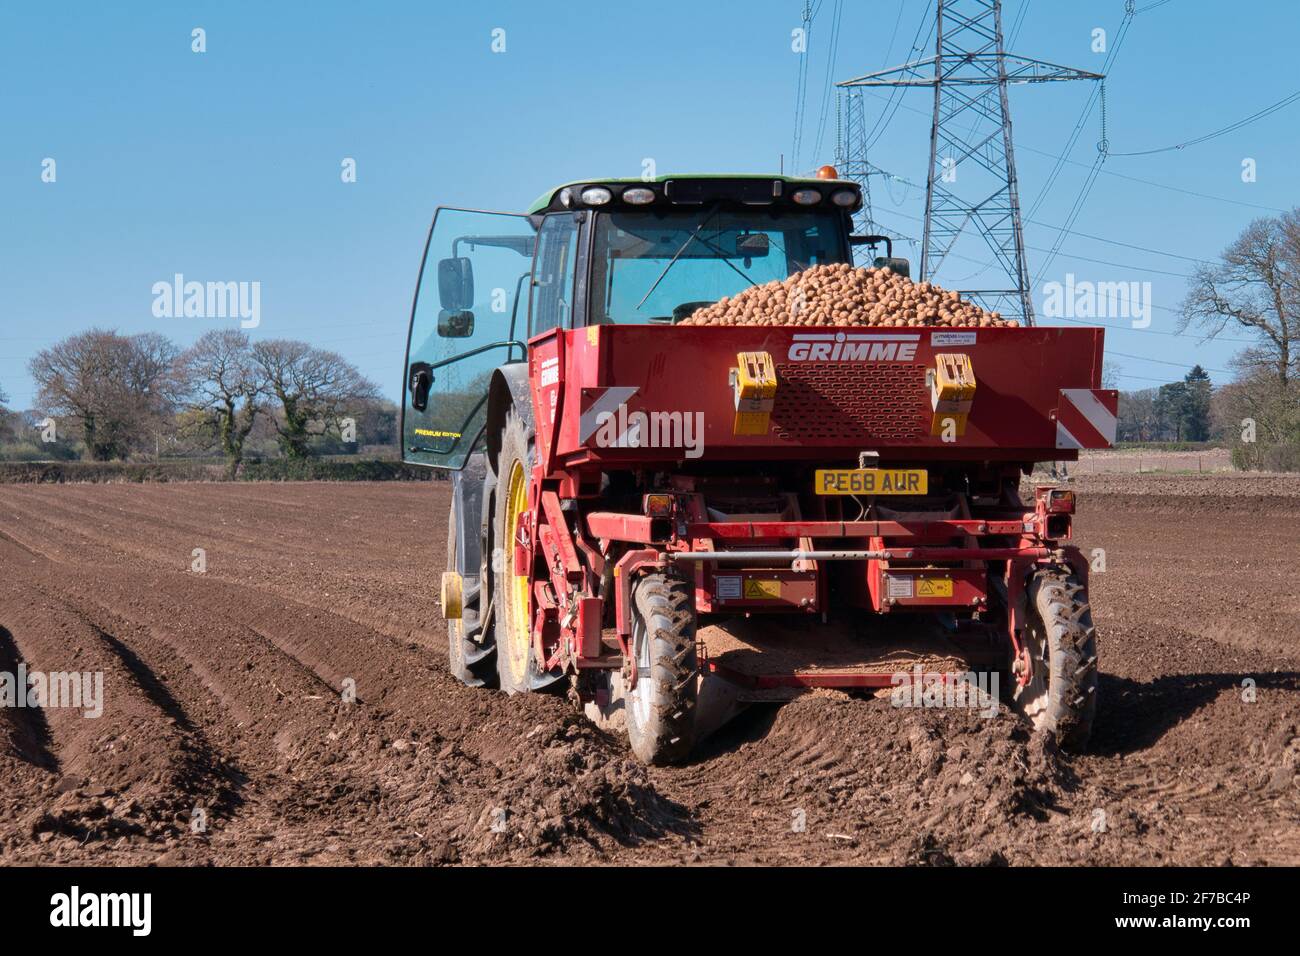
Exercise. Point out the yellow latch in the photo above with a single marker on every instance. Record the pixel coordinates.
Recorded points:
(451, 596)
(952, 390)
(754, 383)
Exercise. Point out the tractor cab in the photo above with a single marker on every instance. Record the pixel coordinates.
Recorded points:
(608, 252)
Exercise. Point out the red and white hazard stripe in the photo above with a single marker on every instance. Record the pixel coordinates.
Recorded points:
(601, 404)
(1086, 417)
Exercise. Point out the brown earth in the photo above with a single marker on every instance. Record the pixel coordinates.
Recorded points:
(222, 696)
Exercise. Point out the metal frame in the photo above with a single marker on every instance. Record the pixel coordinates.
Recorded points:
(971, 120)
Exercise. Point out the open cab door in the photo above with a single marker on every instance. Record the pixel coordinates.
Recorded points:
(469, 317)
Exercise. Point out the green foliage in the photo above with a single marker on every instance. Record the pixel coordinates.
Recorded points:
(1176, 412)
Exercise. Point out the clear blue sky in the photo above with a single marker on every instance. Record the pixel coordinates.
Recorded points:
(226, 165)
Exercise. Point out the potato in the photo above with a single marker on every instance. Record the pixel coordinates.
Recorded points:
(839, 295)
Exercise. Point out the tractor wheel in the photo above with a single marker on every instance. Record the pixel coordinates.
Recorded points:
(1061, 695)
(517, 669)
(470, 663)
(660, 709)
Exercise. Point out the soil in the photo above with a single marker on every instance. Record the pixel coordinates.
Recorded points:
(289, 704)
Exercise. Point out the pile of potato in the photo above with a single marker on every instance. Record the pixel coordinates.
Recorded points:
(838, 295)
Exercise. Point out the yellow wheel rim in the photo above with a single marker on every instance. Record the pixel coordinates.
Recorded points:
(517, 597)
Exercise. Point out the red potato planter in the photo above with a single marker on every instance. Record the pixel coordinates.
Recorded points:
(671, 516)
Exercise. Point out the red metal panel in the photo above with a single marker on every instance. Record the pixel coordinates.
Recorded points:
(819, 678)
(871, 395)
(766, 589)
(745, 530)
(546, 381)
(590, 611)
(969, 588)
(612, 526)
(563, 540)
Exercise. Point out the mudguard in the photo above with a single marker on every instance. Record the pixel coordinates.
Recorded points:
(509, 387)
(467, 512)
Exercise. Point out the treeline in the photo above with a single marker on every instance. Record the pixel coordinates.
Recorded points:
(1182, 411)
(104, 397)
(1254, 288)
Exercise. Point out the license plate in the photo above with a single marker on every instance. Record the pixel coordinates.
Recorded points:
(871, 481)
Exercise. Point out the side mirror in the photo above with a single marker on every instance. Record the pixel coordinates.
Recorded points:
(458, 324)
(455, 283)
(752, 245)
(897, 266)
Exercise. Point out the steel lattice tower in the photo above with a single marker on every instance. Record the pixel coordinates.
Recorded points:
(970, 72)
(851, 161)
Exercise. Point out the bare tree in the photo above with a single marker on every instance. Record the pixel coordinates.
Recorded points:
(225, 389)
(1111, 374)
(1255, 286)
(316, 390)
(117, 389)
(8, 431)
(1260, 420)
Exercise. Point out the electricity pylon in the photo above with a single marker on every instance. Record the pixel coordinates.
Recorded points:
(970, 72)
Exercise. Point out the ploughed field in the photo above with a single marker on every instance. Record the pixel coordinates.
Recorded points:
(290, 704)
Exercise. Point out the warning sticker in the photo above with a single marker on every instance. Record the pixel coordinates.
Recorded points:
(898, 587)
(934, 587)
(756, 590)
(726, 588)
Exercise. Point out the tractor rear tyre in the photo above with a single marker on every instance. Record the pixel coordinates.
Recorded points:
(517, 669)
(470, 663)
(1061, 695)
(660, 708)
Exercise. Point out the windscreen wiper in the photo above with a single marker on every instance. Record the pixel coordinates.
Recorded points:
(677, 255)
(722, 255)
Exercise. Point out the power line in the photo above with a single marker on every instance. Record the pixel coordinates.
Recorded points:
(893, 35)
(1144, 378)
(883, 121)
(1266, 111)
(1159, 185)
(1129, 328)
(1126, 245)
(1083, 116)
(801, 85)
(830, 71)
(1103, 147)
(1105, 262)
(1110, 172)
(1073, 232)
(1020, 21)
(1092, 322)
(1102, 262)
(1143, 358)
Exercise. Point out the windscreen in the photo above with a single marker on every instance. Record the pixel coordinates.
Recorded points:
(661, 265)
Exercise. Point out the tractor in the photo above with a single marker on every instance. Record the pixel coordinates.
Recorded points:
(669, 522)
